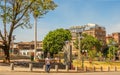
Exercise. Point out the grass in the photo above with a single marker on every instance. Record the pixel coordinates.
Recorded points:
(96, 64)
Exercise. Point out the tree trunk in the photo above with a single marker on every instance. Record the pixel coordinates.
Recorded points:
(6, 54)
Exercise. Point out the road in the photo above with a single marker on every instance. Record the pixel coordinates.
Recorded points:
(38, 73)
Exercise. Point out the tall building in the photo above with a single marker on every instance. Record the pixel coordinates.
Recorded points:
(95, 30)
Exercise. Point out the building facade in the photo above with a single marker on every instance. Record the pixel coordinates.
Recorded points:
(116, 37)
(25, 48)
(95, 30)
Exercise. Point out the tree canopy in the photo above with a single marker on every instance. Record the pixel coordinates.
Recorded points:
(55, 40)
(112, 49)
(89, 43)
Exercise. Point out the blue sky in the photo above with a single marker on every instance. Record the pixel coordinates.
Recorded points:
(73, 13)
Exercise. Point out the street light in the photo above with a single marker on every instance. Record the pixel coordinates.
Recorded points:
(79, 39)
(83, 54)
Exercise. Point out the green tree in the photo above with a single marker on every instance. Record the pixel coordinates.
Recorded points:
(17, 13)
(55, 40)
(89, 43)
(112, 44)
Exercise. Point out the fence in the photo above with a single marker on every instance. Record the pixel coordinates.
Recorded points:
(57, 69)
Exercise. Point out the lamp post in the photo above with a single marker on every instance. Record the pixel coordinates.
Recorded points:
(79, 39)
(83, 54)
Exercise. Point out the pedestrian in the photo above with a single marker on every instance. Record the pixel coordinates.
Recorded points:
(47, 63)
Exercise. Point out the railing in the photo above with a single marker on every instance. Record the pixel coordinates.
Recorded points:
(75, 69)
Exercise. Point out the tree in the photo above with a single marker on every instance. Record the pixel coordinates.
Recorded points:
(112, 49)
(17, 13)
(89, 43)
(55, 40)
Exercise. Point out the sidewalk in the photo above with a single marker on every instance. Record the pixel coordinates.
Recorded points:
(4, 68)
(23, 69)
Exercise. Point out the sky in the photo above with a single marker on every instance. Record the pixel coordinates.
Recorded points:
(69, 13)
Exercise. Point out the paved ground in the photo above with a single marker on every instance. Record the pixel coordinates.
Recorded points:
(38, 73)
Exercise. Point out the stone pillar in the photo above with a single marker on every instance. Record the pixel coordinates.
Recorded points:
(76, 68)
(12, 66)
(44, 67)
(67, 67)
(56, 68)
(115, 68)
(86, 69)
(30, 66)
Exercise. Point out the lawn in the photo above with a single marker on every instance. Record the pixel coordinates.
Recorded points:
(96, 63)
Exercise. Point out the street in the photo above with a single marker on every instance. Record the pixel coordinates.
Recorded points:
(38, 73)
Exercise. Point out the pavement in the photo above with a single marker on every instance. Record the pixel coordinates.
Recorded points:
(38, 73)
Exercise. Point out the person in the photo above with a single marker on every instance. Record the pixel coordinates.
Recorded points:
(47, 63)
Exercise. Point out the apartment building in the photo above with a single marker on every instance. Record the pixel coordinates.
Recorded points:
(95, 30)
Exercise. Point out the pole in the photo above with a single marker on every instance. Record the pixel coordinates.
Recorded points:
(83, 62)
(35, 36)
(79, 52)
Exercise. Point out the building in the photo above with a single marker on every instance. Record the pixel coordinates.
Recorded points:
(116, 37)
(25, 48)
(95, 30)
